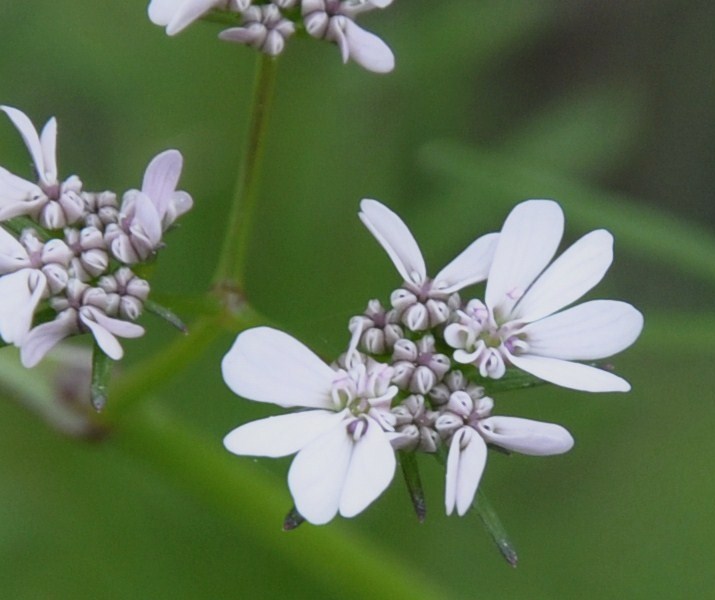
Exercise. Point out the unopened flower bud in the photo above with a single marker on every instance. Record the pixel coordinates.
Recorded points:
(447, 423)
(405, 350)
(423, 380)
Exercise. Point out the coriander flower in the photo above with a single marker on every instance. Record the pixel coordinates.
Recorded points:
(468, 427)
(53, 203)
(264, 28)
(332, 20)
(422, 301)
(344, 457)
(176, 15)
(146, 214)
(521, 321)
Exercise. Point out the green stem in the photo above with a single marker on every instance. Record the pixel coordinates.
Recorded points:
(346, 564)
(230, 272)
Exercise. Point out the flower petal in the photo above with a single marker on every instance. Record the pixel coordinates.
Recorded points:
(568, 278)
(368, 50)
(13, 255)
(43, 338)
(535, 438)
(20, 292)
(188, 12)
(104, 329)
(267, 365)
(528, 241)
(371, 469)
(161, 178)
(48, 144)
(570, 374)
(148, 219)
(318, 472)
(465, 465)
(588, 331)
(161, 11)
(281, 435)
(471, 266)
(394, 236)
(29, 135)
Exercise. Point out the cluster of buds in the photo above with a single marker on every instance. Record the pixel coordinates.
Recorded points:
(66, 255)
(422, 375)
(267, 24)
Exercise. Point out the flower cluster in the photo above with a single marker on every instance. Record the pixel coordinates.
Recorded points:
(266, 25)
(415, 375)
(67, 255)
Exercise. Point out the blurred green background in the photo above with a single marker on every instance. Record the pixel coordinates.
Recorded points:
(607, 107)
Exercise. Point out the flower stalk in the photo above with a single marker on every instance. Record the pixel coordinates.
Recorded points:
(231, 269)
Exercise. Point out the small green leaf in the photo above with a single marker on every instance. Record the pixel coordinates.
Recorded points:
(166, 314)
(410, 471)
(101, 366)
(495, 528)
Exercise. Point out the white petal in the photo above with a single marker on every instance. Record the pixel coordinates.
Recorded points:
(588, 331)
(465, 466)
(48, 143)
(471, 266)
(20, 292)
(281, 435)
(394, 236)
(526, 436)
(187, 13)
(104, 329)
(13, 255)
(14, 190)
(267, 365)
(371, 469)
(318, 472)
(161, 177)
(528, 241)
(161, 11)
(43, 338)
(568, 278)
(570, 374)
(29, 135)
(368, 50)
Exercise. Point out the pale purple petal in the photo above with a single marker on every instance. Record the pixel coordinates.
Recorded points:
(394, 236)
(148, 219)
(368, 50)
(267, 365)
(568, 278)
(21, 292)
(43, 338)
(570, 374)
(371, 469)
(528, 241)
(29, 135)
(281, 435)
(465, 464)
(526, 436)
(317, 475)
(161, 178)
(14, 190)
(588, 331)
(471, 266)
(48, 143)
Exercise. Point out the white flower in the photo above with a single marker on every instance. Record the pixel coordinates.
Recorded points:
(332, 20)
(471, 428)
(344, 457)
(146, 214)
(53, 203)
(176, 15)
(519, 322)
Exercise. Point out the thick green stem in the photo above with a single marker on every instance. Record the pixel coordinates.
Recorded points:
(230, 272)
